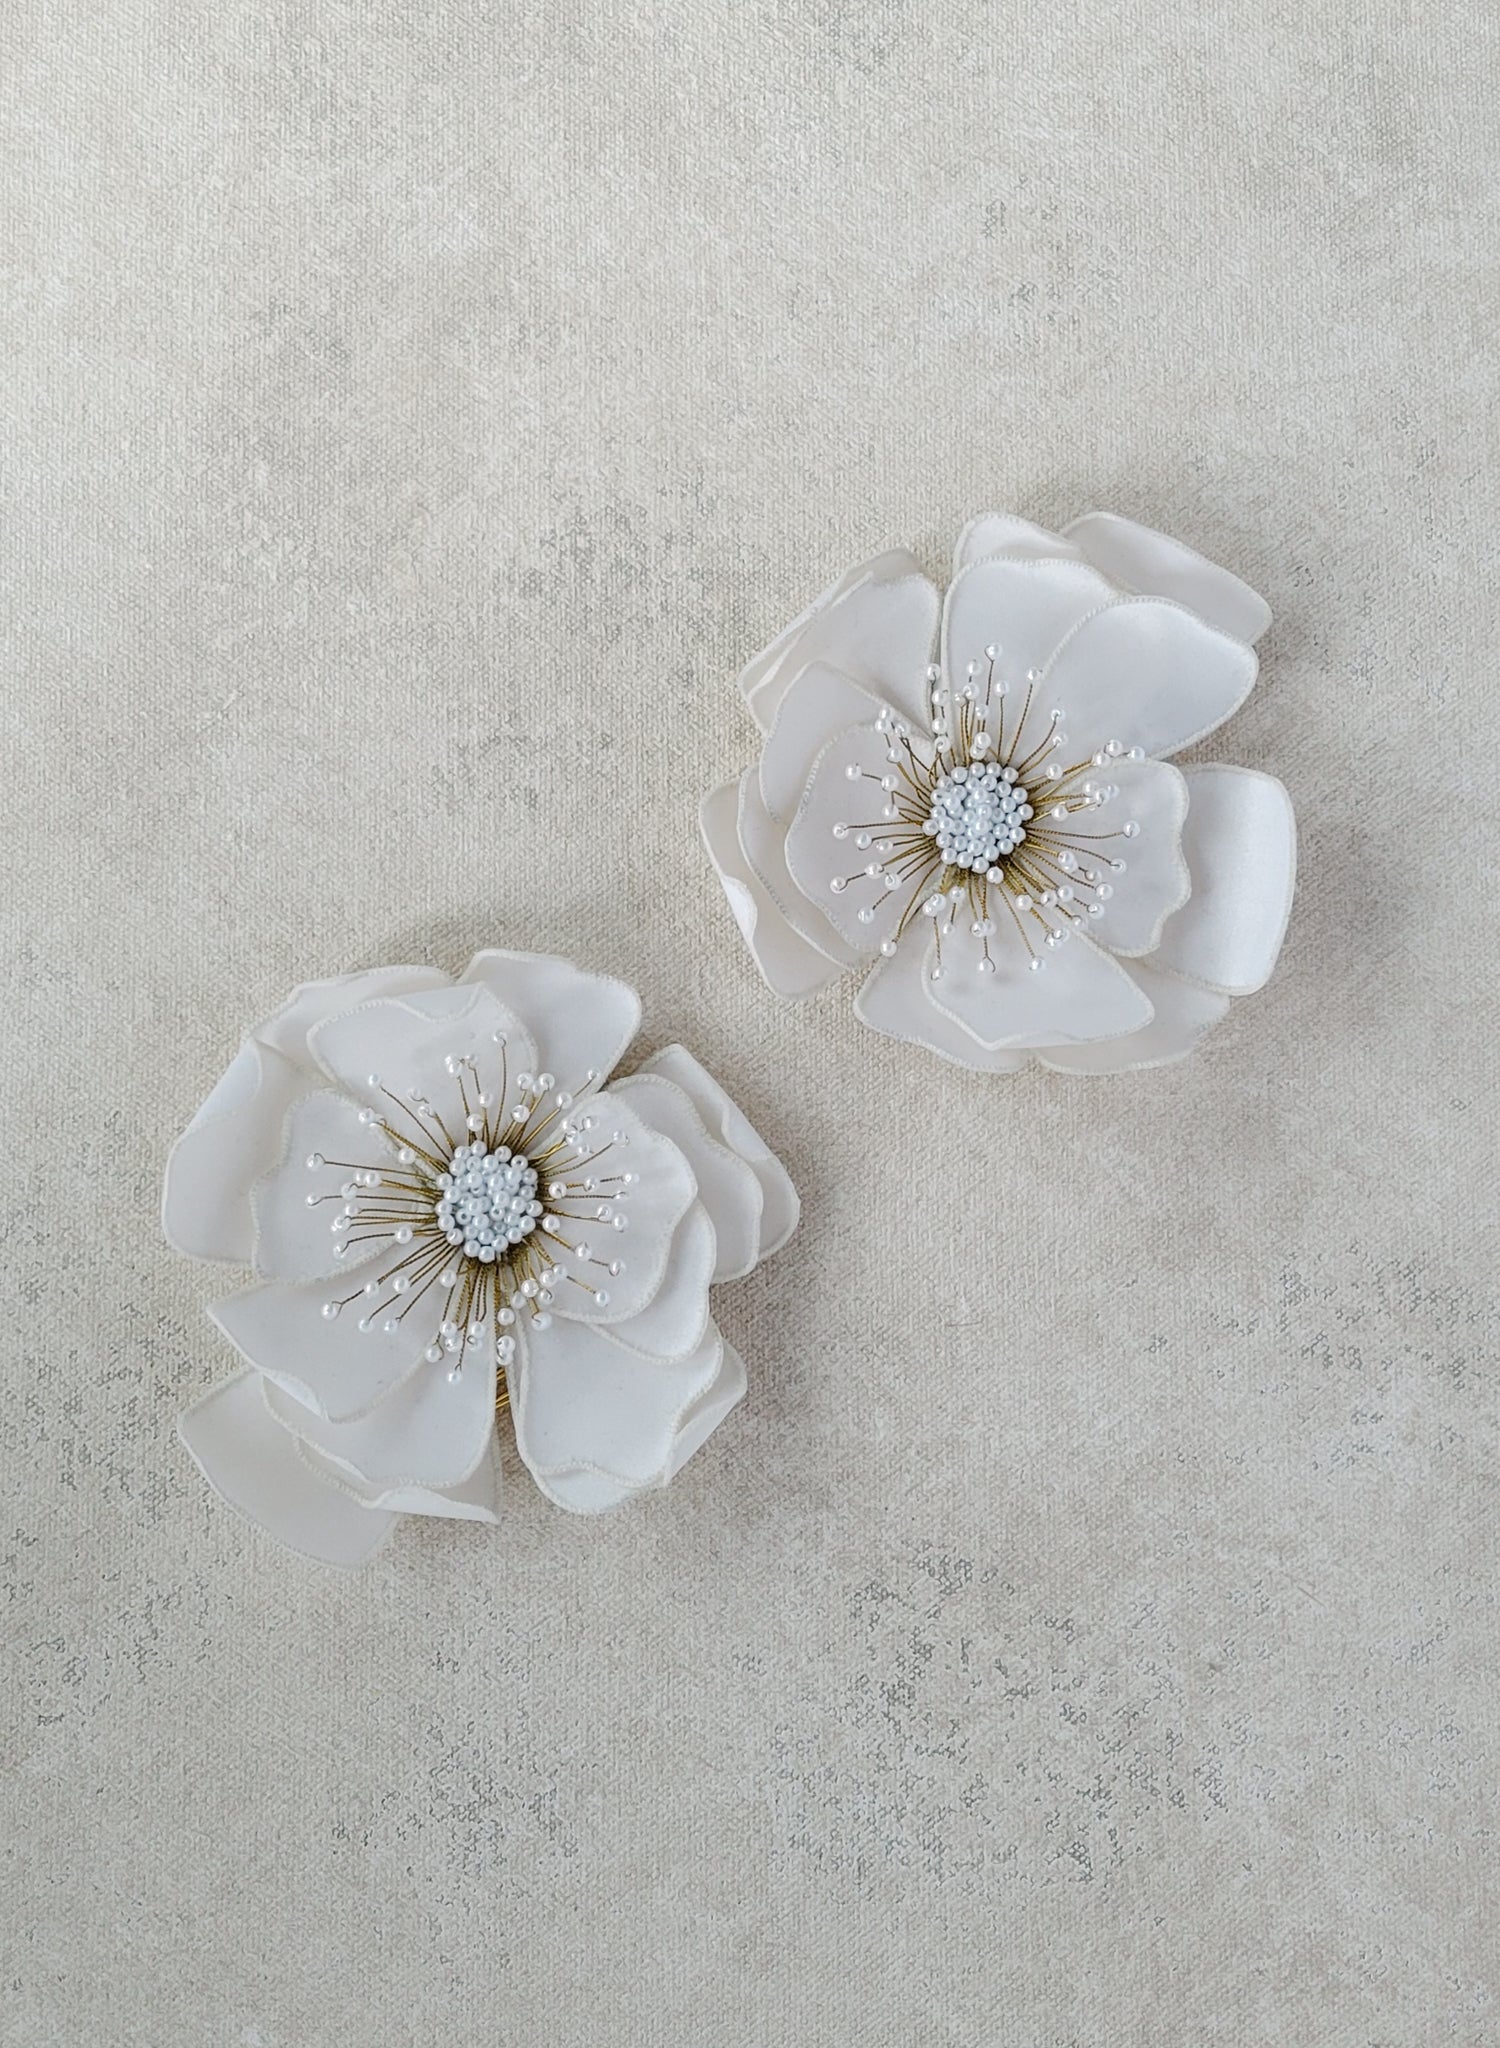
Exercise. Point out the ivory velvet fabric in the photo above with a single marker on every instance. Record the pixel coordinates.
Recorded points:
(1084, 1633)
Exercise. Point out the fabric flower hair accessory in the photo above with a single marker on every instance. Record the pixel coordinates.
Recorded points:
(452, 1212)
(996, 833)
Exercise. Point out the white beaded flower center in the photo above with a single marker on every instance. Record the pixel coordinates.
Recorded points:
(978, 815)
(488, 1200)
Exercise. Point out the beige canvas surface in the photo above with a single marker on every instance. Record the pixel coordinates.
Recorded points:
(1084, 1636)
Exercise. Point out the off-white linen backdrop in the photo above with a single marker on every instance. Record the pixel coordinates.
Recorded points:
(1086, 1631)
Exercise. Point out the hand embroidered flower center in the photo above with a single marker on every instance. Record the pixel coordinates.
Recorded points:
(990, 826)
(473, 1244)
(489, 1200)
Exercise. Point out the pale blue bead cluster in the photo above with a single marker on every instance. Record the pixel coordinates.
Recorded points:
(487, 1200)
(978, 816)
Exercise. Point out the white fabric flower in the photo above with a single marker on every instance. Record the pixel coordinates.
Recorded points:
(997, 829)
(449, 1213)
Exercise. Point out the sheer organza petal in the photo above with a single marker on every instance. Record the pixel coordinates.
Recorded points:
(431, 1431)
(1155, 565)
(1240, 839)
(234, 1138)
(583, 1398)
(1146, 673)
(475, 1499)
(763, 842)
(327, 1362)
(733, 1128)
(844, 801)
(876, 624)
(634, 1228)
(1151, 880)
(253, 1464)
(788, 965)
(894, 1001)
(287, 1030)
(1000, 533)
(583, 1492)
(389, 1052)
(727, 1188)
(701, 1420)
(673, 1321)
(1025, 609)
(819, 705)
(295, 1206)
(1183, 1014)
(1078, 993)
(579, 1023)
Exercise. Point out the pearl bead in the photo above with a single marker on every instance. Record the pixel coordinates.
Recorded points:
(975, 816)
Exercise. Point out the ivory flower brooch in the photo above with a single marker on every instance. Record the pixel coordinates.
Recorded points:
(452, 1213)
(995, 836)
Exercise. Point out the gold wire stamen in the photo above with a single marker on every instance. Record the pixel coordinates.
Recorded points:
(1044, 881)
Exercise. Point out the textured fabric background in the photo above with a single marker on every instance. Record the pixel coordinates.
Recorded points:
(1085, 1634)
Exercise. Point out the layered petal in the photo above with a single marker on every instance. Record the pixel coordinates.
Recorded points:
(1148, 674)
(584, 1492)
(819, 705)
(895, 1000)
(722, 1116)
(296, 1204)
(1000, 533)
(727, 1188)
(673, 1321)
(1147, 877)
(475, 1499)
(1154, 565)
(429, 1432)
(579, 1023)
(253, 1463)
(763, 843)
(327, 1362)
(234, 1139)
(236, 1136)
(1182, 1014)
(1025, 609)
(875, 624)
(845, 804)
(1074, 994)
(632, 1227)
(788, 964)
(1240, 840)
(584, 1399)
(724, 1392)
(394, 1053)
(288, 1029)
